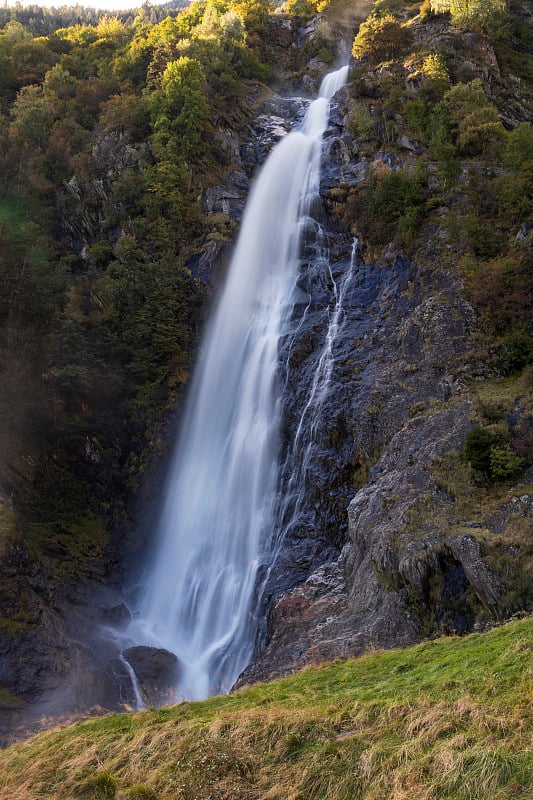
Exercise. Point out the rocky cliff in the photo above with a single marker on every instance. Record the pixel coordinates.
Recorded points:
(391, 538)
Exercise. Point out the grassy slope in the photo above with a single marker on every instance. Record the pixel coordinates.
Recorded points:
(451, 718)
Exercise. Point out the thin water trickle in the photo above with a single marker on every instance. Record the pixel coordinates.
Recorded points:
(139, 700)
(301, 450)
(199, 595)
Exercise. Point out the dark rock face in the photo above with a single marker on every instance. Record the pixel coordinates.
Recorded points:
(372, 554)
(157, 671)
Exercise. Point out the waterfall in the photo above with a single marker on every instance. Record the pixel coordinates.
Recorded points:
(216, 524)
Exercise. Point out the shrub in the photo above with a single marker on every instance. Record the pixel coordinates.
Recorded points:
(381, 39)
(300, 8)
(496, 462)
(389, 204)
(474, 119)
(436, 77)
(482, 238)
(504, 463)
(416, 114)
(519, 147)
(514, 195)
(441, 146)
(516, 352)
(478, 446)
(361, 124)
(470, 13)
(500, 290)
(383, 7)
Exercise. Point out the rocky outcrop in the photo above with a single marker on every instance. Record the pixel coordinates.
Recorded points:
(157, 672)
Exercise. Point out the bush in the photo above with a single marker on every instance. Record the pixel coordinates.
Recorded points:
(361, 124)
(496, 462)
(470, 13)
(500, 290)
(381, 39)
(478, 446)
(436, 78)
(504, 463)
(390, 204)
(474, 119)
(519, 147)
(516, 352)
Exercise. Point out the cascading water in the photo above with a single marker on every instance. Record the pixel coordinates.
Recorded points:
(216, 525)
(301, 450)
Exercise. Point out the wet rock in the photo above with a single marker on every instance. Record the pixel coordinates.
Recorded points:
(119, 616)
(157, 670)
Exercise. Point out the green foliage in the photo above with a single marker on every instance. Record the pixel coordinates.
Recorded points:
(505, 465)
(511, 35)
(417, 116)
(478, 446)
(435, 78)
(474, 119)
(516, 351)
(32, 116)
(495, 461)
(382, 8)
(300, 8)
(101, 786)
(140, 792)
(361, 124)
(390, 204)
(470, 13)
(31, 282)
(381, 39)
(441, 145)
(518, 153)
(179, 108)
(501, 290)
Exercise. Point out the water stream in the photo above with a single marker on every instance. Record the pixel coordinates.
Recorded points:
(216, 525)
(300, 453)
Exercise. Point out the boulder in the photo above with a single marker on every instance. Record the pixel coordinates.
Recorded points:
(157, 671)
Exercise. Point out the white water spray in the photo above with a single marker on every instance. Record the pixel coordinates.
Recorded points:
(218, 516)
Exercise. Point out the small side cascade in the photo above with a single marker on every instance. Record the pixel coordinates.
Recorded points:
(301, 450)
(140, 705)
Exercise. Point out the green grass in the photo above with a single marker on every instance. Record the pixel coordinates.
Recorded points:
(448, 719)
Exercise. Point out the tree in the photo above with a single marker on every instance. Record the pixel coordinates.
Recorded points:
(180, 107)
(32, 116)
(381, 39)
(478, 445)
(474, 119)
(469, 13)
(519, 147)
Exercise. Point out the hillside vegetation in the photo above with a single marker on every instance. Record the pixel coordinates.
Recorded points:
(449, 719)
